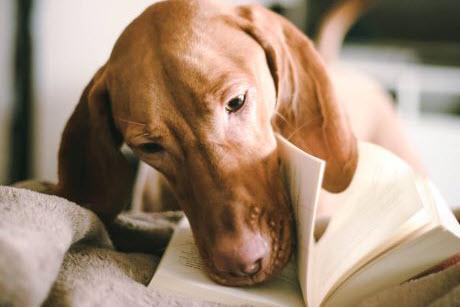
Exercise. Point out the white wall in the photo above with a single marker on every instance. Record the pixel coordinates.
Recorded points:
(72, 40)
(437, 140)
(6, 67)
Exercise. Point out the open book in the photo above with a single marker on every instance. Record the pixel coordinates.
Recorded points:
(391, 225)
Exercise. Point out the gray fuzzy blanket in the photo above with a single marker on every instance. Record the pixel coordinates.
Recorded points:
(56, 253)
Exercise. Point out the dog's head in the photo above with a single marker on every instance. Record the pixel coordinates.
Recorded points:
(198, 90)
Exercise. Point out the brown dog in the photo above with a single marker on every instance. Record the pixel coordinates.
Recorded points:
(198, 90)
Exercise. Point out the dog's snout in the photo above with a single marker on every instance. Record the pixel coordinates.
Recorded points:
(242, 256)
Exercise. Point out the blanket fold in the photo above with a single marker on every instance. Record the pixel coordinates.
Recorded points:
(56, 253)
(36, 231)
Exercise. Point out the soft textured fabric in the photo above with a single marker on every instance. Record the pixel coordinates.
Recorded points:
(438, 289)
(56, 253)
(36, 231)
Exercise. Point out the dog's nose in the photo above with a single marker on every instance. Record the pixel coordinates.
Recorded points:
(240, 256)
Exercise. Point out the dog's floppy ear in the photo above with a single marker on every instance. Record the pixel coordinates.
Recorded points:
(311, 117)
(92, 170)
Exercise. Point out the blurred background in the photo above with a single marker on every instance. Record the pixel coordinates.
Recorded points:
(49, 50)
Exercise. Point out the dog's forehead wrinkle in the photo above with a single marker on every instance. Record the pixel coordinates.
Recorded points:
(182, 125)
(196, 67)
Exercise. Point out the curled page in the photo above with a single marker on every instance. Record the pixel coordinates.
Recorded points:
(304, 176)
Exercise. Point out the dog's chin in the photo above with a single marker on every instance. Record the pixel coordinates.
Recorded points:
(281, 251)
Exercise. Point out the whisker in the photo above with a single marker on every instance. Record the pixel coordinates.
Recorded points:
(130, 122)
(308, 122)
(282, 117)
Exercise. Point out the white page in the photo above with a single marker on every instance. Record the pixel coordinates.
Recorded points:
(379, 208)
(304, 176)
(181, 270)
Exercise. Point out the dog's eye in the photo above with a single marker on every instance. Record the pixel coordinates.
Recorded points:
(151, 147)
(236, 103)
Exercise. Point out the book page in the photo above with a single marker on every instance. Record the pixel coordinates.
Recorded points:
(304, 176)
(444, 212)
(379, 208)
(418, 253)
(181, 270)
